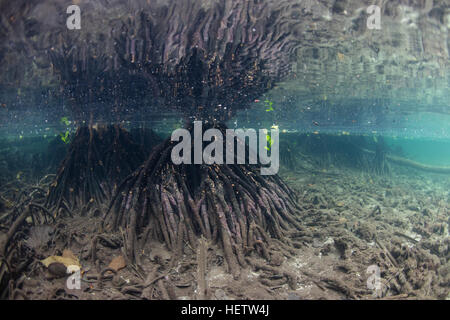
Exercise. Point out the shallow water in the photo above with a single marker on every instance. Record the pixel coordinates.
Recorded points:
(364, 122)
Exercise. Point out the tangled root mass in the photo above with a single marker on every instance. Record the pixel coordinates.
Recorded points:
(231, 205)
(97, 161)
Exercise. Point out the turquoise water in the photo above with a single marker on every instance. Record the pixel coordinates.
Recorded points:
(423, 138)
(426, 151)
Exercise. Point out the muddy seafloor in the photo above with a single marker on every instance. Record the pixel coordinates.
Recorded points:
(352, 222)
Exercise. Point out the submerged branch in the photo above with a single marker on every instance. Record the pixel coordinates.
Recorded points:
(413, 164)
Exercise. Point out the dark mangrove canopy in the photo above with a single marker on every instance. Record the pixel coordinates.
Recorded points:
(209, 61)
(137, 53)
(206, 59)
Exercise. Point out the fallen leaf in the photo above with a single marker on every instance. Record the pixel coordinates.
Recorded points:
(117, 263)
(69, 254)
(67, 259)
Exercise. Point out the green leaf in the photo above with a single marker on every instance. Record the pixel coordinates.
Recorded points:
(268, 105)
(269, 140)
(65, 136)
(65, 120)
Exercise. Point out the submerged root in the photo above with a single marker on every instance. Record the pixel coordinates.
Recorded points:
(230, 205)
(98, 159)
(380, 164)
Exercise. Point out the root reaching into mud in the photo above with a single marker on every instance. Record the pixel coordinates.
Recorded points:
(2, 204)
(380, 164)
(98, 159)
(232, 205)
(24, 206)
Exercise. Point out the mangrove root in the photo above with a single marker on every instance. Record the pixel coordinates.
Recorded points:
(98, 159)
(230, 205)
